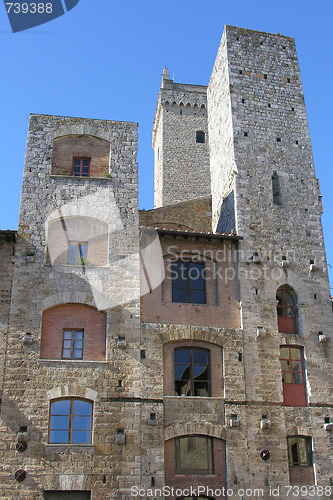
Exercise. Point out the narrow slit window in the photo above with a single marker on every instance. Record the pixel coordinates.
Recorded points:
(276, 189)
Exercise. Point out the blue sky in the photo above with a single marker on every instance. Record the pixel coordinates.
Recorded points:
(104, 59)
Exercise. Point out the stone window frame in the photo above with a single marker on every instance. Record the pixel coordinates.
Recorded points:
(71, 416)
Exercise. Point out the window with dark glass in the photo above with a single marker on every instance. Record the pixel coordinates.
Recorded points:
(299, 451)
(293, 380)
(192, 372)
(200, 137)
(77, 253)
(286, 311)
(188, 283)
(194, 455)
(81, 167)
(70, 421)
(72, 344)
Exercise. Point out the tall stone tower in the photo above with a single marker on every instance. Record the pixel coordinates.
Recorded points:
(75, 286)
(180, 142)
(264, 185)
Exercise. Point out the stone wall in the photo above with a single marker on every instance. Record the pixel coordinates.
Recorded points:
(181, 164)
(266, 131)
(31, 383)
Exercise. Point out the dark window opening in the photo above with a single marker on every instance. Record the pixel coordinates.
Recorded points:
(81, 167)
(188, 283)
(200, 137)
(72, 344)
(299, 451)
(192, 372)
(70, 421)
(276, 188)
(194, 455)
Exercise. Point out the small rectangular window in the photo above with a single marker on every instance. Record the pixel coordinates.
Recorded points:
(72, 344)
(200, 137)
(188, 283)
(194, 455)
(81, 167)
(77, 253)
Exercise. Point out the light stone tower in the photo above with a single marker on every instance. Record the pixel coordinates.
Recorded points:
(264, 185)
(180, 142)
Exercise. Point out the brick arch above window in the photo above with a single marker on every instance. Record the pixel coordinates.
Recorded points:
(180, 333)
(73, 332)
(72, 297)
(80, 155)
(77, 391)
(188, 428)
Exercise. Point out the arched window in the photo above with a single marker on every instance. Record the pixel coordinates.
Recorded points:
(71, 421)
(192, 372)
(200, 137)
(286, 310)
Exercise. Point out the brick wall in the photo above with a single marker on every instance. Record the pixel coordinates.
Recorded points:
(81, 146)
(73, 316)
(222, 301)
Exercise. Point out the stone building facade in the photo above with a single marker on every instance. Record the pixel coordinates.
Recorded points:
(187, 346)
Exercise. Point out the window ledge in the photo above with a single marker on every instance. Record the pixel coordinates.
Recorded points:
(72, 361)
(71, 177)
(70, 448)
(78, 266)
